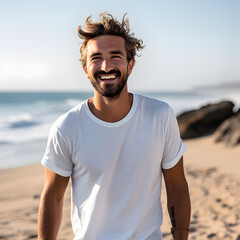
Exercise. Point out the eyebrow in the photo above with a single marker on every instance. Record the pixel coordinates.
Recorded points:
(95, 54)
(117, 52)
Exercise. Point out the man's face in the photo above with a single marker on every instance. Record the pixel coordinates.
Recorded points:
(106, 65)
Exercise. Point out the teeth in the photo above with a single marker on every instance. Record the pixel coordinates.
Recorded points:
(108, 77)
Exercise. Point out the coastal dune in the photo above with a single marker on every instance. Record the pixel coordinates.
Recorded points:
(212, 171)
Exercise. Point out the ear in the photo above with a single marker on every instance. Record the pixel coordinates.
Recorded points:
(130, 66)
(85, 70)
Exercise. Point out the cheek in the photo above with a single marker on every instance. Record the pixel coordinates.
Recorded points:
(91, 70)
(122, 66)
(94, 66)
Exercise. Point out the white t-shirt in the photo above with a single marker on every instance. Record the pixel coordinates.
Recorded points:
(116, 168)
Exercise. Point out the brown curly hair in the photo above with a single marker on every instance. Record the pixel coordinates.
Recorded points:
(108, 25)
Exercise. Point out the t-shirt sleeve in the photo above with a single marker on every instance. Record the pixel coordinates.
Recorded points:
(174, 146)
(57, 156)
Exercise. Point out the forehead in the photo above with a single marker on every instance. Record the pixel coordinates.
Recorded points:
(105, 44)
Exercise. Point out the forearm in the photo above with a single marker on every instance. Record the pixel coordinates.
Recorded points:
(179, 210)
(49, 216)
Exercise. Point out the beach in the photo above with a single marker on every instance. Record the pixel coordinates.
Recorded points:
(212, 171)
(182, 53)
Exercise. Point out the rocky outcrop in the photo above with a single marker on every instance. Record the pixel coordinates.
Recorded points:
(229, 131)
(204, 121)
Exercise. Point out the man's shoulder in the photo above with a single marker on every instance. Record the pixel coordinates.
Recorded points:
(152, 103)
(69, 118)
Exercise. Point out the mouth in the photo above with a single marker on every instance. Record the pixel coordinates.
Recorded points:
(107, 77)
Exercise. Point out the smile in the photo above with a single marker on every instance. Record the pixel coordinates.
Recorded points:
(107, 77)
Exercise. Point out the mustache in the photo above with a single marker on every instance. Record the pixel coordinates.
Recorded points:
(110, 72)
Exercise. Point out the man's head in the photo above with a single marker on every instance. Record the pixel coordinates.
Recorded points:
(107, 54)
(108, 25)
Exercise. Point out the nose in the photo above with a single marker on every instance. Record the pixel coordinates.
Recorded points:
(106, 65)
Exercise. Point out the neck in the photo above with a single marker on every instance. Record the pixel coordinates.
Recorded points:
(111, 109)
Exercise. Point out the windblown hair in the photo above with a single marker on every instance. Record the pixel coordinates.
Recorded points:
(108, 25)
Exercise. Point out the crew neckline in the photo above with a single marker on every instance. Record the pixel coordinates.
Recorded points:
(112, 124)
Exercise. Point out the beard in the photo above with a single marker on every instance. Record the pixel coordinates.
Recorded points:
(109, 90)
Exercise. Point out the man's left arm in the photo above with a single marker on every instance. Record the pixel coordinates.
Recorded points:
(178, 200)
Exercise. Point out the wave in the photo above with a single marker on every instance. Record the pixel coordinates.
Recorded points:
(23, 123)
(2, 142)
(24, 135)
(22, 120)
(26, 139)
(23, 127)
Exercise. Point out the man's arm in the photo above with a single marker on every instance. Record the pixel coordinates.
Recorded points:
(178, 200)
(51, 204)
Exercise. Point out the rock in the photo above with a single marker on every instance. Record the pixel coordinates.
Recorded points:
(229, 131)
(204, 121)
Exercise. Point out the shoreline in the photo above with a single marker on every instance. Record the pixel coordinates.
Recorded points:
(212, 171)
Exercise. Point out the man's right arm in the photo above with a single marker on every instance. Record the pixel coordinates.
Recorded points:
(51, 205)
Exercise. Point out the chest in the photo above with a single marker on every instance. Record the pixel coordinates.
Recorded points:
(131, 147)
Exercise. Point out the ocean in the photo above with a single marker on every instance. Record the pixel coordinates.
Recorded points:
(26, 117)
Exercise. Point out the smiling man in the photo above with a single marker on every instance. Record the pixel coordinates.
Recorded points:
(115, 147)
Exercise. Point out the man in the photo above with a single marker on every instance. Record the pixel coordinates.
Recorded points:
(115, 147)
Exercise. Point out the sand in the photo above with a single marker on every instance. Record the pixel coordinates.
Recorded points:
(213, 174)
(212, 171)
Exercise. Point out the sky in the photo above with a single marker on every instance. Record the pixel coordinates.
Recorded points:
(188, 43)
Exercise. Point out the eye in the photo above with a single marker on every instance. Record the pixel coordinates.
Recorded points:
(95, 58)
(116, 56)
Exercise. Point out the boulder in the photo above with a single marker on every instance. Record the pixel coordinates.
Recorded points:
(229, 131)
(204, 121)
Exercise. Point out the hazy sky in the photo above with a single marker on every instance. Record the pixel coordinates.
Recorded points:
(188, 43)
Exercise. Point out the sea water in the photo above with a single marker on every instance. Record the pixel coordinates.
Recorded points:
(26, 118)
